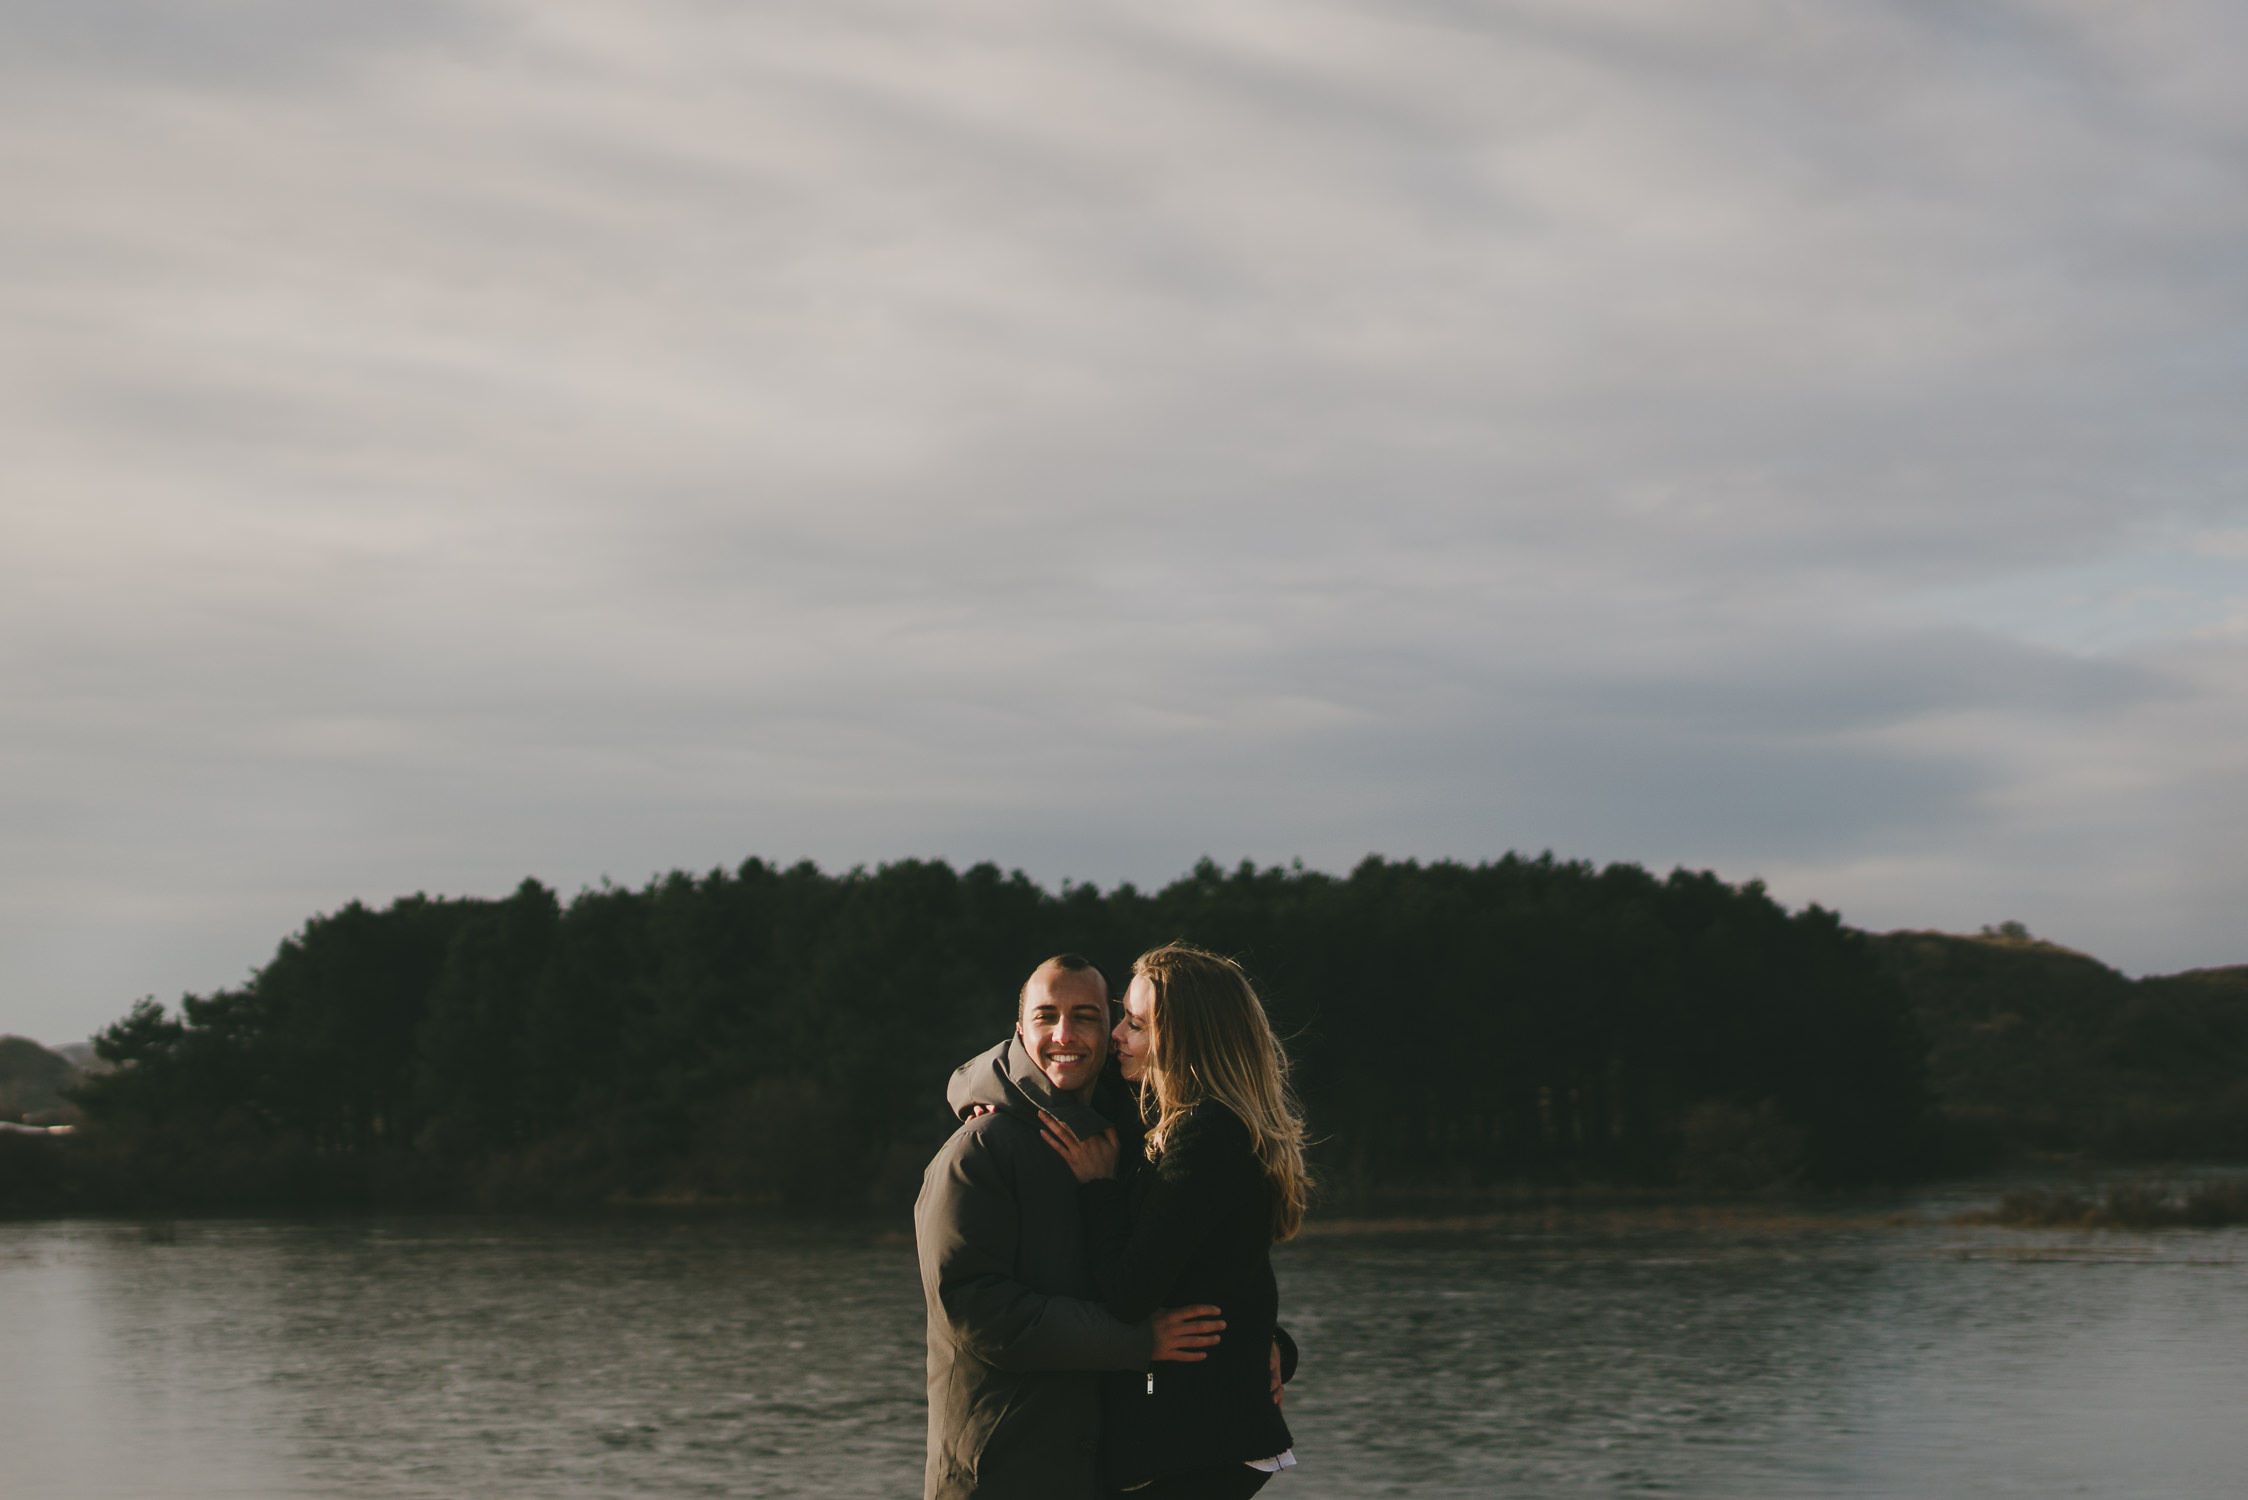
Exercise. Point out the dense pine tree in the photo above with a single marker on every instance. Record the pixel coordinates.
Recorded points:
(784, 1034)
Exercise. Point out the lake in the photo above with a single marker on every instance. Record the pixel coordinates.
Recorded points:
(1740, 1355)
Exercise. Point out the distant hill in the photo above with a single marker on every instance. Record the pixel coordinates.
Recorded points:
(81, 1056)
(2037, 1048)
(32, 1078)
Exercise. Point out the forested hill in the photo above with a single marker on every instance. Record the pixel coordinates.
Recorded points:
(784, 1034)
(32, 1079)
(2036, 1048)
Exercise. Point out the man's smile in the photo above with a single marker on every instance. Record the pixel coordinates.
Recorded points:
(1064, 1026)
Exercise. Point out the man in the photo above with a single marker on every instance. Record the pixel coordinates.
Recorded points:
(1016, 1332)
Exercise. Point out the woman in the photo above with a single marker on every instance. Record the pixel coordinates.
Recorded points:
(1194, 1223)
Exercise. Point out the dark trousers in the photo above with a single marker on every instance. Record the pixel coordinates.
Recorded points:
(1227, 1482)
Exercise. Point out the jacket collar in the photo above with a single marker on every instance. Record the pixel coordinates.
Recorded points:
(1006, 1078)
(1040, 1093)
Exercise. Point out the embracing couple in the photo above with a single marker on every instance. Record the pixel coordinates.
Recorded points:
(1095, 1243)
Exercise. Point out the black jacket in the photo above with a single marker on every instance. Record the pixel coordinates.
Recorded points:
(1015, 1333)
(1193, 1226)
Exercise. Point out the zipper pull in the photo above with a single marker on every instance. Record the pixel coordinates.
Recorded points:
(1151, 1382)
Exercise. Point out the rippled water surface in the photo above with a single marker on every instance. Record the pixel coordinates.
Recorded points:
(451, 1358)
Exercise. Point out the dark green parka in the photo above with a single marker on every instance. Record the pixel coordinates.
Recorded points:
(1016, 1333)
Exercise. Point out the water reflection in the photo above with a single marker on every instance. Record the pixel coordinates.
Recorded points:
(445, 1358)
(1887, 1363)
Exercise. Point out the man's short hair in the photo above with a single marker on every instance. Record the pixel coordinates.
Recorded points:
(1068, 963)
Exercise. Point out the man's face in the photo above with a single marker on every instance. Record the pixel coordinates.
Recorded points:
(1064, 1028)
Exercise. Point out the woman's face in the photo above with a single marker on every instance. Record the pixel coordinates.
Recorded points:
(1134, 1036)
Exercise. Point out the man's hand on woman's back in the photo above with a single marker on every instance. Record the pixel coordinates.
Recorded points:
(1182, 1333)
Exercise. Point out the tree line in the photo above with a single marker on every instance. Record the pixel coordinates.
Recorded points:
(783, 1034)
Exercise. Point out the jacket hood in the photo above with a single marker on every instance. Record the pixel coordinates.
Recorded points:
(1005, 1078)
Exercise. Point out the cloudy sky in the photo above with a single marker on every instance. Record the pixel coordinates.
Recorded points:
(452, 440)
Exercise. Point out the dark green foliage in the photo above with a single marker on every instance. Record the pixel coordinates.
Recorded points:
(34, 1176)
(322, 1045)
(1536, 1019)
(2035, 1048)
(770, 1034)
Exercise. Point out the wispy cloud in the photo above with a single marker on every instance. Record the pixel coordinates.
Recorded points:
(449, 441)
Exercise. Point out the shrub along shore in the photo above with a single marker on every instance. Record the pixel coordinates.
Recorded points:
(2141, 1203)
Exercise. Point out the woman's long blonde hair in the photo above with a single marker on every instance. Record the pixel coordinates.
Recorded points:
(1212, 1041)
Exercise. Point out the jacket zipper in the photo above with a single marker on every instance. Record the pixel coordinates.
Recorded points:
(1151, 1382)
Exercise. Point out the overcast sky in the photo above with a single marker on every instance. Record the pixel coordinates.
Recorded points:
(452, 440)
